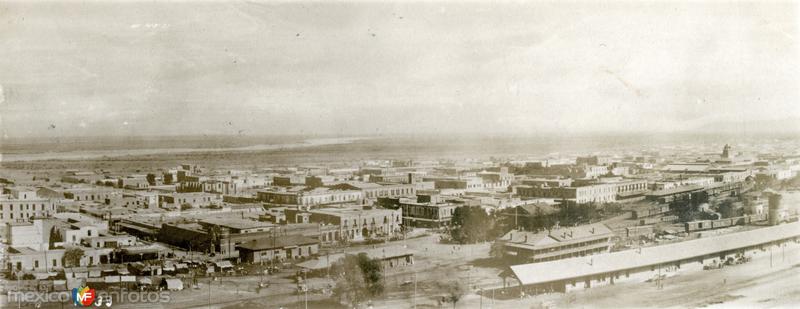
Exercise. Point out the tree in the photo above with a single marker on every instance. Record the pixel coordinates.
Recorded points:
(497, 250)
(186, 206)
(214, 233)
(55, 236)
(727, 209)
(151, 179)
(454, 290)
(540, 220)
(357, 278)
(470, 224)
(373, 274)
(72, 257)
(571, 213)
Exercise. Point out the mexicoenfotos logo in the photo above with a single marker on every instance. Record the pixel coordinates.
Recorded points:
(86, 297)
(83, 297)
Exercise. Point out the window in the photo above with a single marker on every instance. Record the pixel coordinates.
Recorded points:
(54, 262)
(36, 264)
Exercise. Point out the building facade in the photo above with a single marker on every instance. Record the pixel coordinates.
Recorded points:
(23, 204)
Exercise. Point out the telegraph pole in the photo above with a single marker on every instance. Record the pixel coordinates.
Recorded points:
(415, 289)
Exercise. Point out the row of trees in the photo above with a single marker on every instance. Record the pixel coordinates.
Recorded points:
(471, 224)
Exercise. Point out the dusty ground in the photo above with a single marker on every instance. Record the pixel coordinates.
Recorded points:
(752, 285)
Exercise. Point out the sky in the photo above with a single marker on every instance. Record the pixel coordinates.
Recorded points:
(80, 68)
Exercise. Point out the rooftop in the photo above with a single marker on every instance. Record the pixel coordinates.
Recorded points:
(686, 167)
(278, 242)
(376, 253)
(630, 259)
(677, 190)
(557, 236)
(236, 223)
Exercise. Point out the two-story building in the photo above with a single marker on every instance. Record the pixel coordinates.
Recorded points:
(557, 243)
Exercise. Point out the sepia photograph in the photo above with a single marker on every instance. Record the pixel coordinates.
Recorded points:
(296, 154)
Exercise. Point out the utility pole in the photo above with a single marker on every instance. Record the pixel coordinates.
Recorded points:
(415, 289)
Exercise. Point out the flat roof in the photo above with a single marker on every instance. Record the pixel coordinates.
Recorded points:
(326, 261)
(676, 190)
(236, 223)
(277, 242)
(348, 211)
(566, 269)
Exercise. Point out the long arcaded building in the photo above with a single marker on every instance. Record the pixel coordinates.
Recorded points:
(584, 272)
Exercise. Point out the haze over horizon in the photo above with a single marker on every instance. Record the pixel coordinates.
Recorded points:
(257, 68)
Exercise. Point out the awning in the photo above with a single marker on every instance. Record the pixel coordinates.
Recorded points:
(174, 284)
(316, 264)
(44, 275)
(145, 280)
(95, 273)
(127, 278)
(112, 279)
(223, 264)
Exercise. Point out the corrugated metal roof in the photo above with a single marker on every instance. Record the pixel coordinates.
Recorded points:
(567, 269)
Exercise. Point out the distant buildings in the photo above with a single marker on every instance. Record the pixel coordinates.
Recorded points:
(278, 249)
(194, 199)
(94, 194)
(23, 258)
(376, 190)
(429, 210)
(671, 183)
(598, 193)
(304, 196)
(353, 223)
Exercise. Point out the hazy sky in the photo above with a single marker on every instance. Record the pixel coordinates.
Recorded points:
(364, 68)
